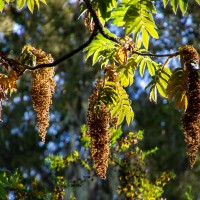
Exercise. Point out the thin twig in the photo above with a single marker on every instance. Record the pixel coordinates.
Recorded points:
(170, 55)
(68, 55)
(16, 65)
(98, 23)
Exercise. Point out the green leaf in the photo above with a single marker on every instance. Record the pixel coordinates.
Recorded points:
(151, 68)
(129, 115)
(145, 38)
(163, 81)
(136, 16)
(120, 117)
(100, 47)
(21, 3)
(122, 108)
(161, 90)
(183, 5)
(142, 67)
(152, 31)
(1, 5)
(126, 72)
(37, 3)
(165, 2)
(30, 4)
(115, 110)
(198, 1)
(44, 1)
(153, 94)
(116, 135)
(174, 4)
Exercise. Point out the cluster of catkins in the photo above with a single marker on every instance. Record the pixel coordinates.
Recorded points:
(42, 89)
(191, 117)
(98, 129)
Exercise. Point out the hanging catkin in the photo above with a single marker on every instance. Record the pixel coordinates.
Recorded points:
(98, 129)
(42, 89)
(191, 117)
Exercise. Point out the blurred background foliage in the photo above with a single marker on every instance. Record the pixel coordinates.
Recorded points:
(57, 30)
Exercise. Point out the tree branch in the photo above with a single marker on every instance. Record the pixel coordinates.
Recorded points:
(100, 28)
(158, 55)
(70, 54)
(98, 23)
(20, 68)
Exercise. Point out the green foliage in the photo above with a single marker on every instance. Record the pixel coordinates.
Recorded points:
(21, 3)
(122, 107)
(133, 177)
(188, 193)
(55, 162)
(27, 57)
(104, 8)
(126, 72)
(136, 16)
(159, 83)
(146, 61)
(58, 162)
(1, 5)
(183, 4)
(115, 135)
(8, 181)
(198, 1)
(85, 139)
(101, 49)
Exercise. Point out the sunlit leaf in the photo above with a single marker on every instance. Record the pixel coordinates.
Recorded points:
(1, 5)
(30, 4)
(100, 48)
(152, 31)
(161, 89)
(198, 1)
(183, 5)
(137, 18)
(174, 4)
(120, 117)
(115, 110)
(142, 67)
(116, 135)
(165, 2)
(153, 94)
(37, 3)
(145, 38)
(129, 115)
(21, 3)
(151, 68)
(44, 1)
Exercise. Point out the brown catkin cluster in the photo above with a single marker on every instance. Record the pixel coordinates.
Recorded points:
(189, 54)
(42, 89)
(98, 129)
(191, 118)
